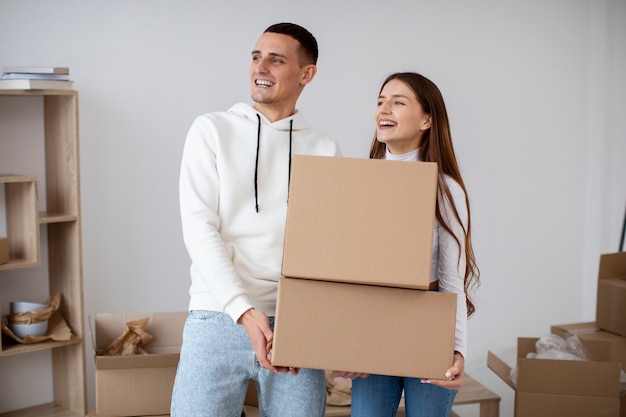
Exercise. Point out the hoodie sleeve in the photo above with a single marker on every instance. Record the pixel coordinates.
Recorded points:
(199, 186)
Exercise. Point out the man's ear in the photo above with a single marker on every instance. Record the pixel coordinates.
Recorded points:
(308, 73)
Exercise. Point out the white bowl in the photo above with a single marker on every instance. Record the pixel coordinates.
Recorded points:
(34, 329)
(24, 306)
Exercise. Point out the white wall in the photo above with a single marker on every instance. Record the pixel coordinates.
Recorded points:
(536, 96)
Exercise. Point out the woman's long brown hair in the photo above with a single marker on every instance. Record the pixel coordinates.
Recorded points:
(436, 146)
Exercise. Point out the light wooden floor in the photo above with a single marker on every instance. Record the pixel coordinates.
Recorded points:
(473, 392)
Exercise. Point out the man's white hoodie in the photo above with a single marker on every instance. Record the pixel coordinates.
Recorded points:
(234, 183)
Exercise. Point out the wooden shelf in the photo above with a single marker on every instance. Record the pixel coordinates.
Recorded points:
(18, 263)
(37, 92)
(60, 221)
(45, 410)
(50, 217)
(10, 348)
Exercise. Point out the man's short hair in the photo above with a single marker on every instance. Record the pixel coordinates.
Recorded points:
(308, 44)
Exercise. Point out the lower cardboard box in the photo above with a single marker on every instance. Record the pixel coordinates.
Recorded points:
(363, 328)
(548, 388)
(136, 385)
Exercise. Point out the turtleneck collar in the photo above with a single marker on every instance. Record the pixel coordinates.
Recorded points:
(410, 156)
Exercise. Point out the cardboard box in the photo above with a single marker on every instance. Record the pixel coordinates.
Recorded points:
(4, 250)
(611, 300)
(360, 221)
(548, 388)
(137, 385)
(566, 330)
(600, 345)
(363, 328)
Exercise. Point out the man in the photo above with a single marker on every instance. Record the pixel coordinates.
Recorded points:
(234, 187)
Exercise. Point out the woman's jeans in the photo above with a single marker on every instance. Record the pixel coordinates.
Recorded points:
(216, 363)
(379, 396)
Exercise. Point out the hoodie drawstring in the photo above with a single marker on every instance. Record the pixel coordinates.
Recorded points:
(256, 165)
(289, 174)
(256, 162)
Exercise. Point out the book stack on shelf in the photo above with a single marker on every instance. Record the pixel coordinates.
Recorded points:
(35, 78)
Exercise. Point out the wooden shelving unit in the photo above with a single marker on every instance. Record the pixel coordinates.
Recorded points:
(62, 220)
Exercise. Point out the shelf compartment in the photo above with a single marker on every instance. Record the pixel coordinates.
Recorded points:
(22, 218)
(61, 130)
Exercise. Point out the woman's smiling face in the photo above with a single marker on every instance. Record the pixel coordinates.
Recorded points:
(400, 118)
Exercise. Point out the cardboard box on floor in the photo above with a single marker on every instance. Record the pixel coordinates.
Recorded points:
(548, 388)
(363, 328)
(600, 345)
(611, 299)
(360, 221)
(136, 385)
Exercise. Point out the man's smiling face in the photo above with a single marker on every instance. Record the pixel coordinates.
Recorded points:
(276, 75)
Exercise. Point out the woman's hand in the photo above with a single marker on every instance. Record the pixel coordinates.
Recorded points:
(455, 375)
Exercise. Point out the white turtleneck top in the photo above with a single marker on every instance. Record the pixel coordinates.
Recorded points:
(448, 260)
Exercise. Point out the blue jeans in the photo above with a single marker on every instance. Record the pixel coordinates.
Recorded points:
(216, 363)
(379, 396)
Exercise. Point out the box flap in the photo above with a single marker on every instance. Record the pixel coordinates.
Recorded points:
(566, 330)
(165, 327)
(500, 368)
(526, 345)
(612, 265)
(163, 360)
(343, 210)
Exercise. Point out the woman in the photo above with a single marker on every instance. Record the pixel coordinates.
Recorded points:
(412, 125)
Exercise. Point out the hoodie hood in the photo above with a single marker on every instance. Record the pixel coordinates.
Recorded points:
(249, 112)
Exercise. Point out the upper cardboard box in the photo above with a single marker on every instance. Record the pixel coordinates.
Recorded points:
(360, 221)
(548, 388)
(611, 299)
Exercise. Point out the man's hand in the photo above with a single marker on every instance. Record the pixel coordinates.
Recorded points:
(455, 375)
(257, 326)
